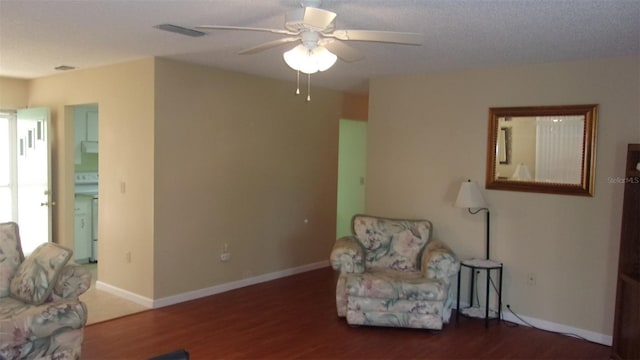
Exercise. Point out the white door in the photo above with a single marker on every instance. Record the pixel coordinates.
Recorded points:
(8, 186)
(33, 195)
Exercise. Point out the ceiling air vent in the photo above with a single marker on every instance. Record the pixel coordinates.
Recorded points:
(64, 67)
(179, 30)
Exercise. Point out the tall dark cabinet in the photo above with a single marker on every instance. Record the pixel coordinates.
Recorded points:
(626, 328)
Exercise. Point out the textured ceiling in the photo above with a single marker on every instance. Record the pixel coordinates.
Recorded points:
(36, 36)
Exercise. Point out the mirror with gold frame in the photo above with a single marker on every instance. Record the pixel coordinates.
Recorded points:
(546, 149)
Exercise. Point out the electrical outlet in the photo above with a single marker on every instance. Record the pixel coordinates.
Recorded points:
(531, 279)
(225, 255)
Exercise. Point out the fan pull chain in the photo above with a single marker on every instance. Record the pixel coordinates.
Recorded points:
(298, 84)
(308, 87)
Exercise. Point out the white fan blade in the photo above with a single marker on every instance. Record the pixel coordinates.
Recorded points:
(222, 27)
(344, 51)
(378, 36)
(309, 18)
(268, 45)
(318, 18)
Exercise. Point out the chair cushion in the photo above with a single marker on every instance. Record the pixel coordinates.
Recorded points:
(395, 244)
(73, 281)
(21, 323)
(397, 306)
(10, 255)
(36, 276)
(390, 284)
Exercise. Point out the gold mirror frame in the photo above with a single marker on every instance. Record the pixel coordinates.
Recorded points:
(586, 184)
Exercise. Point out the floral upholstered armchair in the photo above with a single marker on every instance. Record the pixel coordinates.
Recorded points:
(393, 274)
(40, 314)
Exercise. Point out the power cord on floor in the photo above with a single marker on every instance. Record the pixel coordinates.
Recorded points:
(550, 331)
(523, 320)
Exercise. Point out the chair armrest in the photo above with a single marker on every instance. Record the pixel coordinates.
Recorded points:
(73, 281)
(439, 262)
(347, 255)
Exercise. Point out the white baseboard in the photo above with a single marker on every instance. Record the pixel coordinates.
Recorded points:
(560, 328)
(196, 294)
(125, 294)
(553, 327)
(192, 295)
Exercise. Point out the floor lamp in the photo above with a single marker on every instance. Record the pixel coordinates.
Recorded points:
(470, 197)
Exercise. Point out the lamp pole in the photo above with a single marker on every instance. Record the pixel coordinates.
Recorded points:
(488, 227)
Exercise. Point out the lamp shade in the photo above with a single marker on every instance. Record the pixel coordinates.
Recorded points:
(309, 61)
(522, 173)
(470, 196)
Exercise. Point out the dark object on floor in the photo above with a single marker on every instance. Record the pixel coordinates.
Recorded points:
(174, 355)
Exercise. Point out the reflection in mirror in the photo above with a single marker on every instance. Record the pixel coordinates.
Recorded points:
(545, 149)
(504, 145)
(542, 149)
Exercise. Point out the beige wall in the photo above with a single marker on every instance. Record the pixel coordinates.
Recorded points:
(240, 160)
(523, 146)
(355, 107)
(13, 93)
(124, 94)
(427, 133)
(206, 158)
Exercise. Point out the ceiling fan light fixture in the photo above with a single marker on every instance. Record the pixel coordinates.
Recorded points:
(325, 58)
(309, 61)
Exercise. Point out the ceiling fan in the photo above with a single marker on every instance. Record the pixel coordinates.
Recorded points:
(315, 31)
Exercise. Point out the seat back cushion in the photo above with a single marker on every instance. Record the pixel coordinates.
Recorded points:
(392, 243)
(36, 276)
(10, 255)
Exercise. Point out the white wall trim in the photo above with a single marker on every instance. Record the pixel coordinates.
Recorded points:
(125, 294)
(560, 328)
(217, 289)
(192, 295)
(549, 326)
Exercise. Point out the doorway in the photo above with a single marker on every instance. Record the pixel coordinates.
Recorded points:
(25, 174)
(352, 160)
(86, 179)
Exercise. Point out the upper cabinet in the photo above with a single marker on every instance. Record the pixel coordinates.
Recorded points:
(92, 126)
(86, 130)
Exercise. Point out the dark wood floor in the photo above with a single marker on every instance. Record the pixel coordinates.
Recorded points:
(295, 317)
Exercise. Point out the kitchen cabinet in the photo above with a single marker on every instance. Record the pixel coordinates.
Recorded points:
(82, 232)
(85, 128)
(92, 126)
